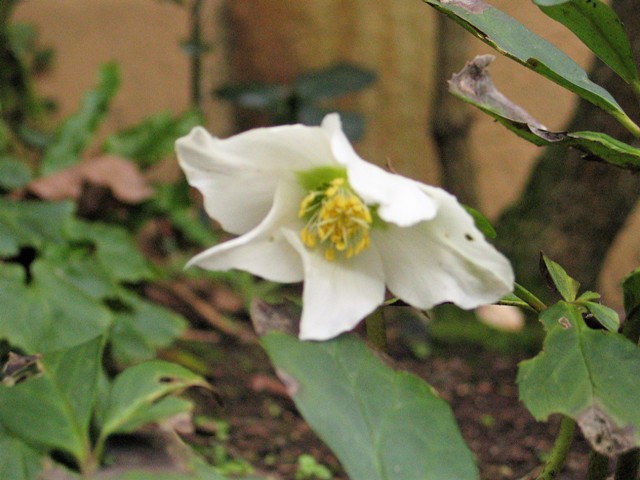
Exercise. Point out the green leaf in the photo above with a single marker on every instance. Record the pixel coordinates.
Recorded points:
(631, 288)
(482, 223)
(141, 328)
(607, 317)
(588, 296)
(77, 131)
(514, 40)
(33, 224)
(474, 85)
(566, 286)
(137, 390)
(589, 375)
(57, 312)
(153, 139)
(381, 424)
(18, 461)
(14, 174)
(598, 26)
(332, 82)
(52, 410)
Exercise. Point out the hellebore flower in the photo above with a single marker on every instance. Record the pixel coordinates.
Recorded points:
(307, 208)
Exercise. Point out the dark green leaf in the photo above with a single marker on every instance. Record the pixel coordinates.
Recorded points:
(153, 139)
(332, 82)
(474, 85)
(607, 317)
(558, 278)
(260, 96)
(57, 312)
(598, 26)
(514, 40)
(33, 224)
(381, 424)
(589, 375)
(14, 174)
(52, 410)
(77, 131)
(18, 461)
(136, 390)
(482, 223)
(631, 288)
(142, 328)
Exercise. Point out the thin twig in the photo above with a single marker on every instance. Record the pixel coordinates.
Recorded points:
(558, 453)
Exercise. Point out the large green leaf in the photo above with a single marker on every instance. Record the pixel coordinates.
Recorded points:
(77, 131)
(33, 224)
(589, 375)
(381, 424)
(514, 40)
(598, 26)
(474, 85)
(52, 409)
(137, 391)
(48, 313)
(18, 461)
(154, 138)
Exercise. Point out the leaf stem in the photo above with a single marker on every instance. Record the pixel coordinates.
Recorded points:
(598, 466)
(376, 330)
(558, 453)
(628, 123)
(529, 298)
(627, 466)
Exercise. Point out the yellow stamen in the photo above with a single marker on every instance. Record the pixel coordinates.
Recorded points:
(336, 218)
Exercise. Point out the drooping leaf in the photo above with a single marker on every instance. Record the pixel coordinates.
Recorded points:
(589, 375)
(381, 424)
(18, 461)
(566, 286)
(77, 131)
(52, 409)
(33, 224)
(598, 26)
(153, 139)
(332, 82)
(138, 389)
(474, 85)
(514, 40)
(48, 313)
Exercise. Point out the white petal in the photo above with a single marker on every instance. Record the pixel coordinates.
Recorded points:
(443, 260)
(237, 176)
(400, 200)
(263, 251)
(337, 295)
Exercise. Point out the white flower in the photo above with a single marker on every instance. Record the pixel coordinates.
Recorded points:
(306, 207)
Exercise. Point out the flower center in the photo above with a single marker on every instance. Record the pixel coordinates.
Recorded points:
(337, 220)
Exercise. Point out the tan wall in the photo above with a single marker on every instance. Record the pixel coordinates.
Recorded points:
(394, 37)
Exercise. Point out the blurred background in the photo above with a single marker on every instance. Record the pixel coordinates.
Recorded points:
(276, 41)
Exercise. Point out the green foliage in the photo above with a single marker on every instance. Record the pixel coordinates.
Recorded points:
(18, 461)
(588, 375)
(379, 423)
(309, 469)
(152, 139)
(597, 25)
(75, 133)
(14, 174)
(300, 101)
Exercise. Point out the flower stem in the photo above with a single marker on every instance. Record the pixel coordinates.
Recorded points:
(376, 330)
(529, 298)
(598, 466)
(558, 453)
(627, 467)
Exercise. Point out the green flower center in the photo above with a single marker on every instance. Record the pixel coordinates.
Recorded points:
(337, 220)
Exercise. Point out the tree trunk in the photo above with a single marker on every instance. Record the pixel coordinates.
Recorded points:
(573, 209)
(451, 119)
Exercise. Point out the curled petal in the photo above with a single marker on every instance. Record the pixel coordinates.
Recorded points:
(400, 200)
(237, 176)
(263, 251)
(337, 295)
(443, 260)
